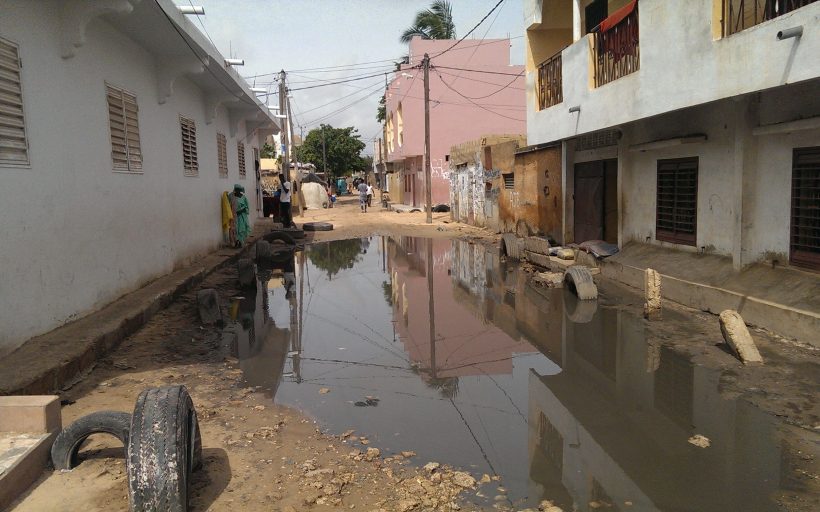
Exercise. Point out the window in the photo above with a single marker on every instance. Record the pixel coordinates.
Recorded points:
(804, 246)
(509, 181)
(13, 142)
(741, 14)
(123, 121)
(240, 150)
(400, 125)
(677, 208)
(222, 155)
(189, 157)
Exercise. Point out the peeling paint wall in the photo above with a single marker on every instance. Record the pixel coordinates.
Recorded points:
(534, 204)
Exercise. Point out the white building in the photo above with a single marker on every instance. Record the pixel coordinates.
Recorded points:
(120, 127)
(693, 124)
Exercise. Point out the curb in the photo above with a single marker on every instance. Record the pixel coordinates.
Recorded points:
(75, 348)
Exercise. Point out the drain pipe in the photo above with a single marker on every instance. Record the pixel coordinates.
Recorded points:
(790, 32)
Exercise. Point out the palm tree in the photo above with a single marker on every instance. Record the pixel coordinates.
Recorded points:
(433, 23)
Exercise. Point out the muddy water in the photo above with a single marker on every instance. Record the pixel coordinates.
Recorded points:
(439, 347)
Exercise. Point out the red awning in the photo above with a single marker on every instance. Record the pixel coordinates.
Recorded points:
(617, 16)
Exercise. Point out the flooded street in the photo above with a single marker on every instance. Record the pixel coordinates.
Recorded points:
(439, 347)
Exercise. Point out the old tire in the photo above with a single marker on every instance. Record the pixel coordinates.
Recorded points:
(578, 280)
(279, 235)
(579, 311)
(510, 246)
(164, 448)
(317, 226)
(66, 446)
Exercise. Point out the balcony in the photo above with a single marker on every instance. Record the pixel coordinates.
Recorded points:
(616, 48)
(550, 90)
(741, 14)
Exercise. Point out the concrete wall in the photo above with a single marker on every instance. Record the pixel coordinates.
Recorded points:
(535, 204)
(681, 65)
(76, 235)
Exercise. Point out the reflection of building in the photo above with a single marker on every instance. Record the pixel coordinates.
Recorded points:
(465, 342)
(613, 427)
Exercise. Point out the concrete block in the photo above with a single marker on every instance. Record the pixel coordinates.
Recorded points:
(565, 254)
(30, 413)
(23, 457)
(737, 336)
(247, 273)
(538, 259)
(586, 259)
(537, 244)
(207, 301)
(652, 292)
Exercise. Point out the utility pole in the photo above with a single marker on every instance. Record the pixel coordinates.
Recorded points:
(283, 92)
(299, 195)
(428, 180)
(324, 155)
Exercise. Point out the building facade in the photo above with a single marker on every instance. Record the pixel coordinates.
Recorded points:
(690, 125)
(120, 127)
(473, 91)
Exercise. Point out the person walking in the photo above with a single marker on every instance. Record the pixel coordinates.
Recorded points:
(369, 195)
(285, 189)
(243, 226)
(362, 188)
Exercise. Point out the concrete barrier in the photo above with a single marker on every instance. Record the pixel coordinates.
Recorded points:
(737, 336)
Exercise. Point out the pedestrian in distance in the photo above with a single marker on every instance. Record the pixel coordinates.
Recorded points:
(243, 226)
(369, 195)
(285, 192)
(363, 196)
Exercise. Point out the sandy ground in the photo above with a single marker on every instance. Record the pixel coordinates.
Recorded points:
(259, 456)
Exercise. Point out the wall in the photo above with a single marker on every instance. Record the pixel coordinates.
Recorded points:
(534, 205)
(672, 76)
(76, 235)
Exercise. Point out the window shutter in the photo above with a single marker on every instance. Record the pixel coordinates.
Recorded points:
(13, 142)
(123, 121)
(222, 155)
(132, 131)
(189, 156)
(240, 149)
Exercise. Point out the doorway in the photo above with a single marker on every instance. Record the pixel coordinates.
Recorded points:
(596, 201)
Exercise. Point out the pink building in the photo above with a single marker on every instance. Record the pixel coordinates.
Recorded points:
(464, 105)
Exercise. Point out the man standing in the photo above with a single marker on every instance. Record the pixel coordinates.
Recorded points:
(369, 195)
(284, 201)
(243, 227)
(362, 188)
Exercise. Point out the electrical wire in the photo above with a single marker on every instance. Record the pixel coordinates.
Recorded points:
(202, 24)
(337, 82)
(471, 30)
(479, 71)
(359, 89)
(473, 102)
(342, 109)
(492, 93)
(483, 81)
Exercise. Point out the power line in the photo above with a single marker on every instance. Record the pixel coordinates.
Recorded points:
(480, 71)
(338, 82)
(359, 89)
(492, 93)
(342, 109)
(473, 102)
(311, 79)
(471, 30)
(483, 81)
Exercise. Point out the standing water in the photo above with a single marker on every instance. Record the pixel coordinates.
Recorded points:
(439, 347)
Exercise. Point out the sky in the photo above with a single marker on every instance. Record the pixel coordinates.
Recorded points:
(300, 35)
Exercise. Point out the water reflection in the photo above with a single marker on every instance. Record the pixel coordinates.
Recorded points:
(472, 366)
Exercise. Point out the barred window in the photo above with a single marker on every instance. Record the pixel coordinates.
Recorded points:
(222, 155)
(509, 181)
(240, 150)
(677, 208)
(123, 121)
(13, 141)
(805, 212)
(189, 156)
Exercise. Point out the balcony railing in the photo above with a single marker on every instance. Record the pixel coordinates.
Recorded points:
(742, 14)
(616, 46)
(550, 90)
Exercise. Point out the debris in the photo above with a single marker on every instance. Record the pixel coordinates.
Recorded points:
(565, 254)
(431, 466)
(346, 434)
(548, 506)
(549, 279)
(463, 479)
(652, 291)
(324, 391)
(700, 441)
(408, 454)
(406, 505)
(737, 336)
(207, 301)
(485, 479)
(372, 453)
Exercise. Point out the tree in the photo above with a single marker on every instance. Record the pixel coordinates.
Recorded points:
(343, 147)
(267, 151)
(433, 23)
(381, 114)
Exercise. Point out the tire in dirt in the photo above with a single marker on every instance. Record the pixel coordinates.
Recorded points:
(66, 447)
(279, 235)
(317, 226)
(164, 448)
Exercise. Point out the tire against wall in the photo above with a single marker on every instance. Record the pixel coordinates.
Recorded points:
(279, 235)
(164, 448)
(67, 444)
(579, 280)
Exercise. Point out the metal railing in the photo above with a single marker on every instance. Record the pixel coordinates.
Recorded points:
(741, 14)
(617, 51)
(550, 90)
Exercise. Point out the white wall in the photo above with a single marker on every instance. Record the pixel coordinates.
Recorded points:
(75, 235)
(681, 66)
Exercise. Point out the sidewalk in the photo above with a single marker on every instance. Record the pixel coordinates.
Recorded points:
(783, 300)
(46, 363)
